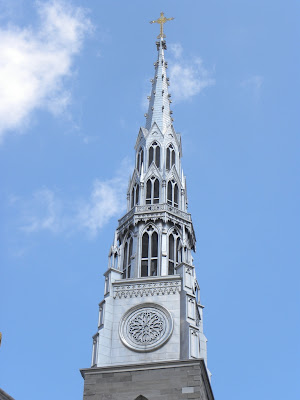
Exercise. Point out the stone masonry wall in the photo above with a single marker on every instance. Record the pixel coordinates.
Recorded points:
(171, 381)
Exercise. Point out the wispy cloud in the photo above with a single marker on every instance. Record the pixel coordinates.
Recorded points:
(48, 210)
(42, 212)
(176, 49)
(107, 200)
(35, 62)
(188, 77)
(254, 85)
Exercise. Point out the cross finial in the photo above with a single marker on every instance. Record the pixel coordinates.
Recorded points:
(161, 20)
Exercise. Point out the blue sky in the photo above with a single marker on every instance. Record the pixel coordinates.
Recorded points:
(74, 77)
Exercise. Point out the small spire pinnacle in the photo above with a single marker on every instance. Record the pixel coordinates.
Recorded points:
(142, 173)
(161, 20)
(182, 180)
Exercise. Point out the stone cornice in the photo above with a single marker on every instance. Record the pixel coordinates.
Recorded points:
(150, 208)
(164, 212)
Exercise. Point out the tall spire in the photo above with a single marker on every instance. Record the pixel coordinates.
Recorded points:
(159, 101)
(151, 311)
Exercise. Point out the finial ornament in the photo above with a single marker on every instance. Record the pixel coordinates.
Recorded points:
(161, 20)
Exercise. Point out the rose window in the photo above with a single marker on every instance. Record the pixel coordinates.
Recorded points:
(145, 327)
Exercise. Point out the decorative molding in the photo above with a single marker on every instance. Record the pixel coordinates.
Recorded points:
(127, 290)
(165, 214)
(146, 327)
(155, 208)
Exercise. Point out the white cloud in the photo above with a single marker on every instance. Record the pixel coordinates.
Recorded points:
(42, 212)
(46, 210)
(176, 49)
(107, 200)
(34, 63)
(188, 78)
(253, 84)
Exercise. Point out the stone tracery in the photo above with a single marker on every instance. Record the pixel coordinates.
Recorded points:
(146, 327)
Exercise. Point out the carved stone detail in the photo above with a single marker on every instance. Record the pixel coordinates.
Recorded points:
(154, 208)
(146, 289)
(146, 327)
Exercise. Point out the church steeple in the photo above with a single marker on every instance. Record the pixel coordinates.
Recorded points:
(151, 314)
(159, 101)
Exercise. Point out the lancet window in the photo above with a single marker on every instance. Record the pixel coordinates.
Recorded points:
(154, 154)
(140, 159)
(152, 191)
(172, 195)
(170, 157)
(149, 259)
(127, 258)
(135, 195)
(174, 252)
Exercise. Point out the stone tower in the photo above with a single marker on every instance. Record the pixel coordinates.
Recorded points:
(150, 343)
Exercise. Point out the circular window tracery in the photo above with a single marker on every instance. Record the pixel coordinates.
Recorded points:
(146, 327)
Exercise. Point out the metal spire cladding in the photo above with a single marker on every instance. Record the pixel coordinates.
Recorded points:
(159, 101)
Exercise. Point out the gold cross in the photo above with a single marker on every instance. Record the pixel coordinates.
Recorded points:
(161, 20)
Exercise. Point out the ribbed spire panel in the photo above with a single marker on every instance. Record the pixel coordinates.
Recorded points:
(159, 104)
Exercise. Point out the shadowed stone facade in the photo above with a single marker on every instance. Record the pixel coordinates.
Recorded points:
(157, 381)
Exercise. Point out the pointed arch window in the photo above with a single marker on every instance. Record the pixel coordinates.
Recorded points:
(149, 253)
(170, 157)
(154, 154)
(135, 195)
(152, 191)
(140, 159)
(174, 252)
(172, 195)
(127, 258)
